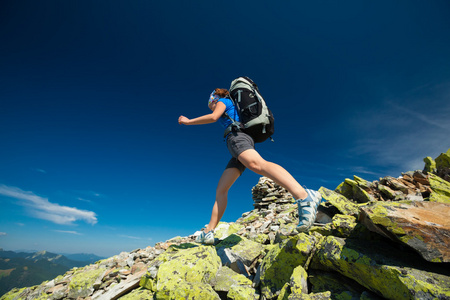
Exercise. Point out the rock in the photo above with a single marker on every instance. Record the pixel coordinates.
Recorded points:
(368, 265)
(238, 253)
(196, 265)
(388, 192)
(360, 195)
(440, 188)
(279, 263)
(298, 282)
(340, 202)
(267, 192)
(223, 230)
(188, 290)
(443, 160)
(122, 288)
(423, 226)
(430, 165)
(340, 286)
(226, 277)
(421, 178)
(82, 282)
(242, 292)
(345, 189)
(138, 294)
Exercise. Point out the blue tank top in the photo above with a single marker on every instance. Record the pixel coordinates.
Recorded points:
(230, 110)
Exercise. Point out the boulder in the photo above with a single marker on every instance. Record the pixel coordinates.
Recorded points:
(83, 281)
(298, 281)
(340, 286)
(423, 226)
(138, 294)
(372, 266)
(196, 266)
(430, 165)
(443, 160)
(238, 253)
(227, 278)
(242, 292)
(440, 189)
(280, 262)
(223, 230)
(338, 201)
(188, 290)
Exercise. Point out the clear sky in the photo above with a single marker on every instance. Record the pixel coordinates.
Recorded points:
(92, 158)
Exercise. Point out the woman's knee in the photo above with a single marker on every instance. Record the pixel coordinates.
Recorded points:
(229, 176)
(256, 166)
(222, 190)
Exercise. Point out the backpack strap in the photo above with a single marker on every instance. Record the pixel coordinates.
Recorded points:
(233, 127)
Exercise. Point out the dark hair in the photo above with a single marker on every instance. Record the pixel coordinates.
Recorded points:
(222, 93)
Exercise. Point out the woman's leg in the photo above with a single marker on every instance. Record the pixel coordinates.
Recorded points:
(227, 179)
(252, 160)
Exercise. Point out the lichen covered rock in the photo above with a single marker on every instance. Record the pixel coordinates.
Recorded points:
(378, 273)
(441, 189)
(138, 294)
(279, 263)
(423, 226)
(197, 265)
(82, 282)
(340, 202)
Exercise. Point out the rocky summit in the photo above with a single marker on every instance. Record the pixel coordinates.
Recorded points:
(387, 239)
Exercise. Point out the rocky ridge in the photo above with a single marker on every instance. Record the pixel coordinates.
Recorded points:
(386, 239)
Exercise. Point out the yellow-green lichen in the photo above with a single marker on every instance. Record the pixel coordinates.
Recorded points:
(378, 213)
(430, 164)
(188, 290)
(251, 217)
(339, 201)
(242, 292)
(383, 279)
(278, 265)
(298, 281)
(138, 294)
(14, 294)
(193, 265)
(148, 283)
(82, 282)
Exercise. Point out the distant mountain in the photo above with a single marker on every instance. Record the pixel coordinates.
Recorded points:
(19, 269)
(85, 257)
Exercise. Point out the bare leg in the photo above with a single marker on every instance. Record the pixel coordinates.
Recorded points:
(253, 161)
(227, 179)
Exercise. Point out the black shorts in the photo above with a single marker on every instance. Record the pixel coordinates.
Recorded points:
(238, 142)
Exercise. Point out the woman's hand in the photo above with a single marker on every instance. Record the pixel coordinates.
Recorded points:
(183, 120)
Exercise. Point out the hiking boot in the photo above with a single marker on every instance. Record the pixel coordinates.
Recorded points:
(206, 238)
(307, 210)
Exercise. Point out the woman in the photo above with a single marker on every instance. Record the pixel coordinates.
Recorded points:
(244, 155)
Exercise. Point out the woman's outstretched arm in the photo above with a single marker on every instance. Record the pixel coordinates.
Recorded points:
(206, 119)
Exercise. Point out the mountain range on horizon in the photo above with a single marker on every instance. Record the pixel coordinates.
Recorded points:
(83, 257)
(19, 269)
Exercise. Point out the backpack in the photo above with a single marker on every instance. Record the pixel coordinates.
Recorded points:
(256, 118)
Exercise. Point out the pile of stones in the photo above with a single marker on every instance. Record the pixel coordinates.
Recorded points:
(267, 192)
(409, 186)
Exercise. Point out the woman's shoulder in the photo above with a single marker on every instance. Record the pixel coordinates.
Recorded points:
(226, 101)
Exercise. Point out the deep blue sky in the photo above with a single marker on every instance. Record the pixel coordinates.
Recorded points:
(92, 158)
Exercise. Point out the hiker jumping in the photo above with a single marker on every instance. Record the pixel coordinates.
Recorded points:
(242, 149)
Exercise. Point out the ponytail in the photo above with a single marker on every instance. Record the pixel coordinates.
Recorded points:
(222, 93)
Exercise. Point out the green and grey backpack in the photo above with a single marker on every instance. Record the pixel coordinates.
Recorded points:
(256, 119)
